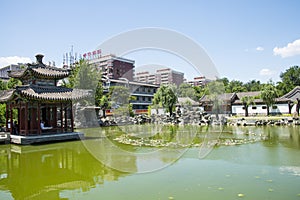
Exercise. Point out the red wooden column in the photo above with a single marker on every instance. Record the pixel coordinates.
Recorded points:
(11, 118)
(54, 112)
(39, 118)
(72, 119)
(66, 117)
(61, 118)
(20, 117)
(26, 118)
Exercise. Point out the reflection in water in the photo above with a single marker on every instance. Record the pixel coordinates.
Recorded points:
(49, 171)
(39, 172)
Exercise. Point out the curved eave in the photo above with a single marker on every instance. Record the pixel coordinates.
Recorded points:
(6, 95)
(58, 96)
(50, 73)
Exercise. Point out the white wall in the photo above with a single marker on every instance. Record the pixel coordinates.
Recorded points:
(281, 108)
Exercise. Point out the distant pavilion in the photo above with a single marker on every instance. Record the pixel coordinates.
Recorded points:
(39, 99)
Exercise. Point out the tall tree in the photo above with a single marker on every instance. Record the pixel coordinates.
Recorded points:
(104, 104)
(186, 90)
(235, 86)
(214, 90)
(3, 85)
(268, 95)
(166, 96)
(12, 82)
(253, 85)
(200, 91)
(120, 97)
(289, 80)
(85, 76)
(247, 101)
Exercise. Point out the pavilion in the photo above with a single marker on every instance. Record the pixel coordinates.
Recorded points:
(40, 100)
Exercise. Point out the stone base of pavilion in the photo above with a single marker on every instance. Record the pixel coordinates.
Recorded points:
(4, 137)
(46, 138)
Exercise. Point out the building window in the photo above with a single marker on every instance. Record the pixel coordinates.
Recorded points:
(243, 108)
(264, 107)
(254, 107)
(274, 107)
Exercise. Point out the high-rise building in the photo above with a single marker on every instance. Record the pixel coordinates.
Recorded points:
(199, 81)
(114, 67)
(161, 76)
(4, 70)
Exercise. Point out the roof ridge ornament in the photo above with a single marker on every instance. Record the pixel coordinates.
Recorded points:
(39, 58)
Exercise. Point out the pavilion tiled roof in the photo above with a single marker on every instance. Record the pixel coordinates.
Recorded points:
(6, 95)
(44, 93)
(51, 93)
(40, 70)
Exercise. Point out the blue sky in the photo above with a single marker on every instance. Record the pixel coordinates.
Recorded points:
(245, 39)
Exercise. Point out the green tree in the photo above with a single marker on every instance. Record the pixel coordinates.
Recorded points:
(166, 96)
(12, 83)
(200, 91)
(235, 86)
(120, 98)
(186, 90)
(85, 76)
(247, 101)
(225, 81)
(215, 90)
(253, 85)
(268, 95)
(2, 114)
(3, 85)
(289, 80)
(98, 93)
(104, 104)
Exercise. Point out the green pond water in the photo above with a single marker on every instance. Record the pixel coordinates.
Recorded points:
(169, 162)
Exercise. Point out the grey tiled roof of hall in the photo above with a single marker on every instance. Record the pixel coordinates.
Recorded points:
(44, 93)
(293, 94)
(222, 97)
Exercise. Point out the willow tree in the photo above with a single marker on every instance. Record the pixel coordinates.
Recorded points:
(215, 90)
(167, 97)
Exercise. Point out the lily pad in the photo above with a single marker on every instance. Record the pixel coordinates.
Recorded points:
(270, 190)
(171, 198)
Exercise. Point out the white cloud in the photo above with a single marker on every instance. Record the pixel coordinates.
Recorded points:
(4, 61)
(266, 72)
(291, 49)
(259, 49)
